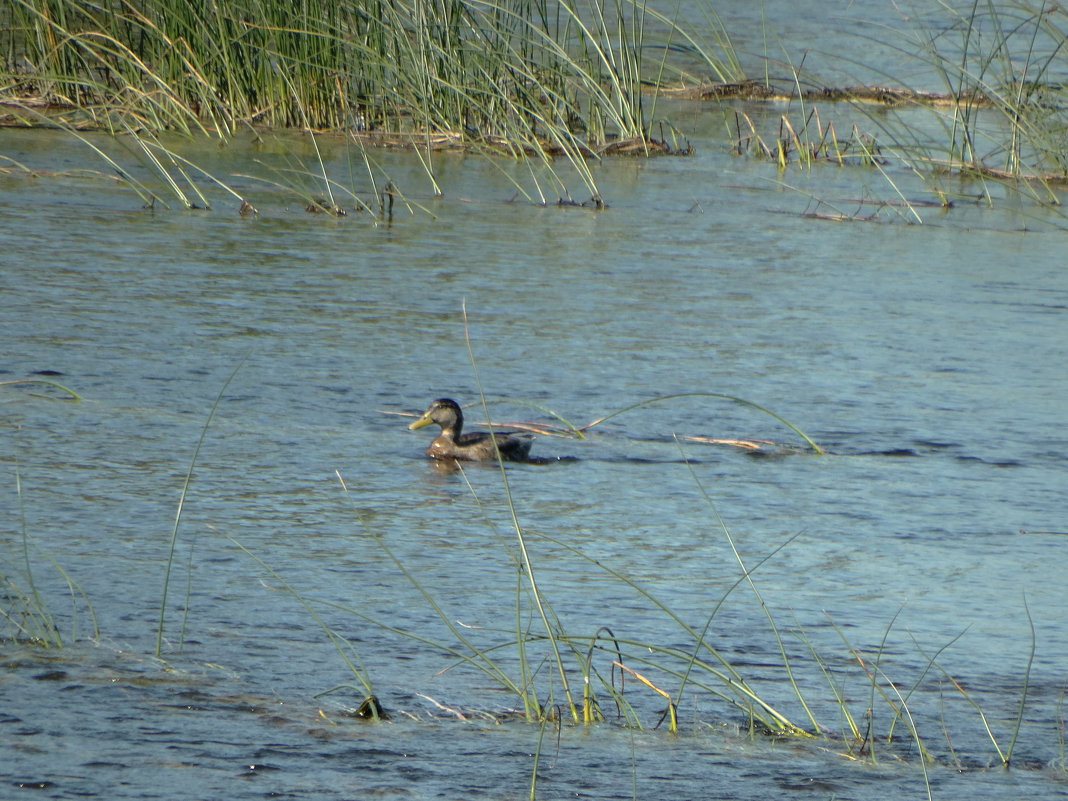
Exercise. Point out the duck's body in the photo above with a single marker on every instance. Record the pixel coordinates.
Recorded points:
(477, 446)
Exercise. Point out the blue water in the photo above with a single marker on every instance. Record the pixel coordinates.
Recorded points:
(926, 359)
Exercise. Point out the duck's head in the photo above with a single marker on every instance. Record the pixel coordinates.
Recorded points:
(445, 412)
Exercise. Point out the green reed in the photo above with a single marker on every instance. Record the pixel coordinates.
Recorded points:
(531, 79)
(173, 546)
(369, 706)
(1008, 57)
(999, 118)
(526, 566)
(24, 607)
(515, 75)
(1002, 115)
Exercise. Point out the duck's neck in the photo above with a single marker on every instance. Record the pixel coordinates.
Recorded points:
(452, 430)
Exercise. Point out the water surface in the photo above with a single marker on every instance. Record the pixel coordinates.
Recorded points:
(927, 360)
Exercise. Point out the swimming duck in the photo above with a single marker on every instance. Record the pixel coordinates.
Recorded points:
(476, 446)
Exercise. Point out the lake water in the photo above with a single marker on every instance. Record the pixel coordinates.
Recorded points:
(928, 360)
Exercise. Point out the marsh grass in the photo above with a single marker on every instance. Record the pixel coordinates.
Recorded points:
(27, 611)
(369, 706)
(512, 77)
(139, 160)
(549, 83)
(173, 546)
(24, 607)
(1000, 122)
(71, 394)
(805, 141)
(568, 653)
(364, 186)
(1004, 750)
(1007, 57)
(996, 125)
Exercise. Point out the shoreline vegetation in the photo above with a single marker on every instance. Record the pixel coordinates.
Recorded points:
(560, 83)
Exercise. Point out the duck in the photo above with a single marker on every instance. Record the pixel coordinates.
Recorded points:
(476, 446)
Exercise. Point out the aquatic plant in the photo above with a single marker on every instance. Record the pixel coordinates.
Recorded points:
(173, 547)
(997, 120)
(71, 394)
(1002, 115)
(503, 76)
(369, 706)
(1007, 58)
(24, 609)
(23, 605)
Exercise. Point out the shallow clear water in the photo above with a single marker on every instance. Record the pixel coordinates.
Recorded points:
(928, 360)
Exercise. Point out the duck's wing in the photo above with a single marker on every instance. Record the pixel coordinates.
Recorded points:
(511, 446)
(477, 438)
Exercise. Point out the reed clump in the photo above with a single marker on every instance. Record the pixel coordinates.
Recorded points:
(529, 79)
(999, 116)
(1004, 64)
(513, 75)
(805, 141)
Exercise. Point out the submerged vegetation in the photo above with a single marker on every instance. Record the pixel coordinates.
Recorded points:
(566, 82)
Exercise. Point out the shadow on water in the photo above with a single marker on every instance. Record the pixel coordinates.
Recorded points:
(842, 446)
(751, 449)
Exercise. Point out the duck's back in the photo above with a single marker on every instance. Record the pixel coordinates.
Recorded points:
(478, 447)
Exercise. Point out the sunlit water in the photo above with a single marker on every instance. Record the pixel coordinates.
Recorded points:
(928, 360)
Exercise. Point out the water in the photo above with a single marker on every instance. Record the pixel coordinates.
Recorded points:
(928, 360)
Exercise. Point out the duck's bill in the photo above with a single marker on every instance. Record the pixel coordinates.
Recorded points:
(422, 421)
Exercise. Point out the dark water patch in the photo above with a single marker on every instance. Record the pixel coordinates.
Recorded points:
(52, 675)
(808, 784)
(933, 445)
(547, 460)
(643, 460)
(848, 444)
(992, 462)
